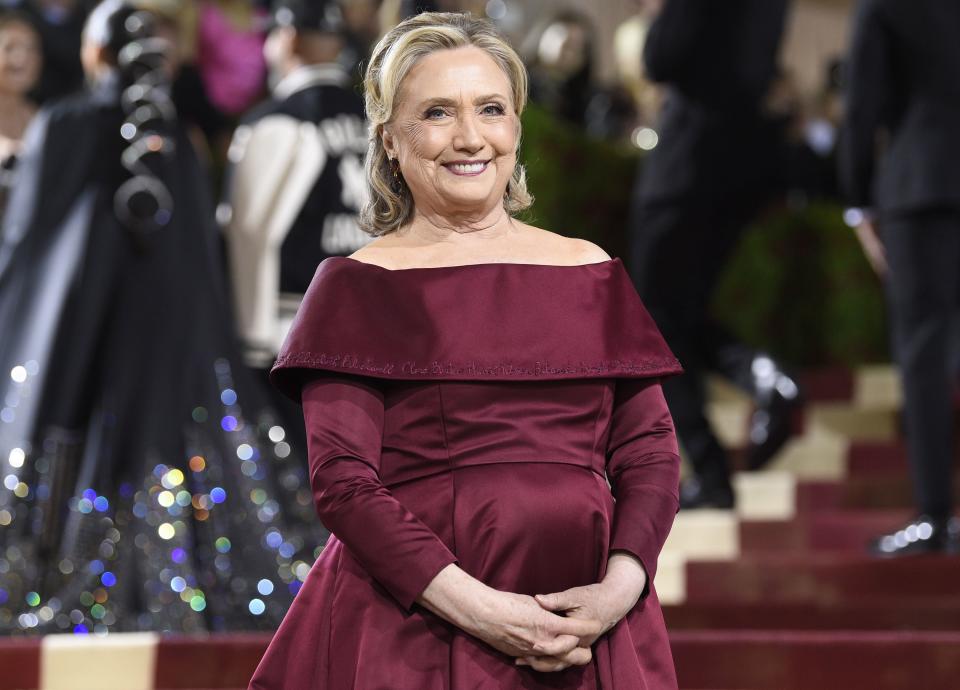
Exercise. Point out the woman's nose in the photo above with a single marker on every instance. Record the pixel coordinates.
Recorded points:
(467, 136)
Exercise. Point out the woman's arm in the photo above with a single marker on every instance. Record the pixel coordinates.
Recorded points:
(344, 418)
(643, 465)
(344, 423)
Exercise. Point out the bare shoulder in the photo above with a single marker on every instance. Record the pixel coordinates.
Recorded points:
(567, 250)
(380, 251)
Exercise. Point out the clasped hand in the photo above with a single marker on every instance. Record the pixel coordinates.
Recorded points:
(548, 632)
(603, 605)
(519, 626)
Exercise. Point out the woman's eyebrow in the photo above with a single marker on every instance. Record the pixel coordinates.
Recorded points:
(490, 97)
(437, 101)
(440, 100)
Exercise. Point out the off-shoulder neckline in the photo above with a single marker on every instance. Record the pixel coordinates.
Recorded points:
(516, 264)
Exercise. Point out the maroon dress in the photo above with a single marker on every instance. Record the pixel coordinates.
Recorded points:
(504, 417)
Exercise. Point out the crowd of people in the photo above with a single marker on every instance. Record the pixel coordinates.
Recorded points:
(172, 174)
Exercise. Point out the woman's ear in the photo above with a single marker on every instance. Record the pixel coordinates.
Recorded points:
(389, 143)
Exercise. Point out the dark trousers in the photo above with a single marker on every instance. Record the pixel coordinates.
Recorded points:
(678, 253)
(923, 291)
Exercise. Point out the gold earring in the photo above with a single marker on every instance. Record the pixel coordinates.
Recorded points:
(397, 180)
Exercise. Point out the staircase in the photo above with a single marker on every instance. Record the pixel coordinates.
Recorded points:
(780, 593)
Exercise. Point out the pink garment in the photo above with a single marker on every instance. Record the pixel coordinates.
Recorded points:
(230, 61)
(457, 447)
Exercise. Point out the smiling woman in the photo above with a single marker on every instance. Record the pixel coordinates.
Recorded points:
(424, 118)
(472, 388)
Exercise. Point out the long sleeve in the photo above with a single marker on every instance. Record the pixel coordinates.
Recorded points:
(344, 420)
(643, 466)
(869, 71)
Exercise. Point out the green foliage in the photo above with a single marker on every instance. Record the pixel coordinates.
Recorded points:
(582, 186)
(797, 285)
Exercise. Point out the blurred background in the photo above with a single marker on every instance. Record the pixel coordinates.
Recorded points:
(171, 173)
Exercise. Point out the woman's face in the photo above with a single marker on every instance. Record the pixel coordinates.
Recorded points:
(20, 58)
(454, 132)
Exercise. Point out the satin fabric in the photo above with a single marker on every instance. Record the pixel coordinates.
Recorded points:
(528, 483)
(505, 322)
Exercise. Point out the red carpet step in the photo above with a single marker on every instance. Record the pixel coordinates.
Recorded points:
(209, 662)
(893, 614)
(800, 660)
(825, 578)
(218, 661)
(875, 492)
(828, 530)
(871, 458)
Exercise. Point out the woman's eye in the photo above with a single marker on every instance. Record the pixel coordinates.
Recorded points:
(493, 109)
(435, 113)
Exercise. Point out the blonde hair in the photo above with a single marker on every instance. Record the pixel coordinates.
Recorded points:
(391, 205)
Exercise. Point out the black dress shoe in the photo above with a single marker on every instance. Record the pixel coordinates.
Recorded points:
(922, 535)
(776, 397)
(696, 494)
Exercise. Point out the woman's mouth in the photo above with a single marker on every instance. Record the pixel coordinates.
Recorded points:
(466, 168)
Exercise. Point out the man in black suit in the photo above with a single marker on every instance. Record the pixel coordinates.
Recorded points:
(904, 80)
(295, 181)
(714, 168)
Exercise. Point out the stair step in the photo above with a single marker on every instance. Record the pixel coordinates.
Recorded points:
(891, 615)
(224, 660)
(848, 531)
(788, 660)
(834, 384)
(20, 661)
(877, 492)
(870, 458)
(824, 578)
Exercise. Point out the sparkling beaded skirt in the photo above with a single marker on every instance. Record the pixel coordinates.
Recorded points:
(218, 535)
(145, 481)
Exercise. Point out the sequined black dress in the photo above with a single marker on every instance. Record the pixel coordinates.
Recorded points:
(142, 483)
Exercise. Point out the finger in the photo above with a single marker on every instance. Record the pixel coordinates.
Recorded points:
(580, 656)
(553, 602)
(558, 646)
(548, 664)
(575, 657)
(581, 627)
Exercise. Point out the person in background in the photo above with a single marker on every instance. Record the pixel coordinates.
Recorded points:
(562, 64)
(20, 65)
(712, 172)
(147, 485)
(361, 30)
(628, 42)
(60, 23)
(904, 81)
(295, 181)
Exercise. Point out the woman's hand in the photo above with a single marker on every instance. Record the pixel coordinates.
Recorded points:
(606, 602)
(514, 624)
(518, 626)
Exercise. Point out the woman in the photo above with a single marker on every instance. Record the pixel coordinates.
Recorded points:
(20, 61)
(467, 382)
(144, 486)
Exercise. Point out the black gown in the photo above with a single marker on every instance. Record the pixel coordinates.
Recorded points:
(143, 483)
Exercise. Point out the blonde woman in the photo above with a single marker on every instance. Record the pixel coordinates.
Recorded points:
(470, 384)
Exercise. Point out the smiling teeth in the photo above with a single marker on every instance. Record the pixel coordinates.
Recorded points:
(468, 167)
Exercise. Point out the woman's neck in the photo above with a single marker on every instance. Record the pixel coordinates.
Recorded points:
(433, 227)
(15, 114)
